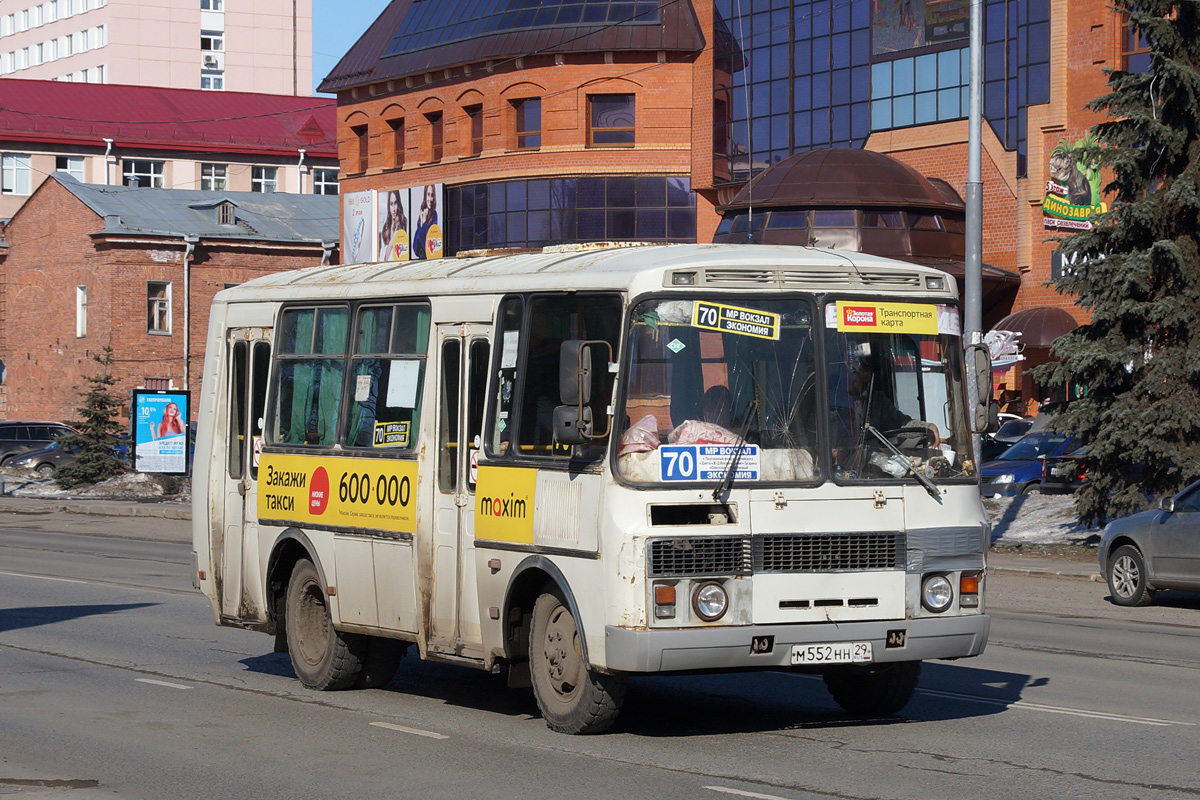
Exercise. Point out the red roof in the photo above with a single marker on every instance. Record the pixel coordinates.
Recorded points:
(150, 117)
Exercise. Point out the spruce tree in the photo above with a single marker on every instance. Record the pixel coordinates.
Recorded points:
(1137, 364)
(98, 428)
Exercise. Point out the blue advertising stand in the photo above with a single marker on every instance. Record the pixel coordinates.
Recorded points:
(160, 431)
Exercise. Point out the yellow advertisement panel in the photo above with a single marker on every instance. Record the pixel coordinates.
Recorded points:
(338, 492)
(504, 499)
(869, 317)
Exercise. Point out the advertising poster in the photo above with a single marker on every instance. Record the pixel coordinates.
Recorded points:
(160, 436)
(1073, 190)
(427, 221)
(358, 240)
(899, 25)
(393, 225)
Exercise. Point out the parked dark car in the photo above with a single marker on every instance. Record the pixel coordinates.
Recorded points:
(1009, 433)
(46, 460)
(1019, 468)
(23, 437)
(58, 454)
(1153, 550)
(1064, 474)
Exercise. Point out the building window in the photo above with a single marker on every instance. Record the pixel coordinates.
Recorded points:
(435, 135)
(72, 165)
(397, 127)
(475, 119)
(80, 312)
(214, 177)
(142, 173)
(212, 83)
(325, 181)
(361, 142)
(611, 119)
(212, 42)
(14, 173)
(1135, 50)
(536, 213)
(158, 307)
(527, 115)
(225, 214)
(212, 5)
(932, 87)
(264, 179)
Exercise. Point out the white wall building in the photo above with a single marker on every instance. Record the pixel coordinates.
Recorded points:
(262, 46)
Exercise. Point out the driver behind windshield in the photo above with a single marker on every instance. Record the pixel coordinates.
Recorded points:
(863, 399)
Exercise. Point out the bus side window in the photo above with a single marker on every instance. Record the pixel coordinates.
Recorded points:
(554, 319)
(260, 365)
(508, 339)
(390, 346)
(308, 387)
(237, 409)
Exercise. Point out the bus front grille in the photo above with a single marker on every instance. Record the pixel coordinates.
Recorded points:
(829, 551)
(707, 555)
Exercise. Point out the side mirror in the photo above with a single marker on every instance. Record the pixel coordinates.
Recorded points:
(978, 362)
(576, 378)
(575, 372)
(1167, 504)
(571, 427)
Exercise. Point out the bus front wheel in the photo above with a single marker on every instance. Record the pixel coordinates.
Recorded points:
(572, 697)
(324, 658)
(877, 690)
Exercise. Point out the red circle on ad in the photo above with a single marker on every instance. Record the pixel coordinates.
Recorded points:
(318, 492)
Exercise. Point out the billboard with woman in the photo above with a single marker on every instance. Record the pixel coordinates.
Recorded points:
(393, 225)
(426, 224)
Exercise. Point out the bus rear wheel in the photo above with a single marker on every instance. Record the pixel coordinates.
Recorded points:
(572, 697)
(876, 691)
(324, 658)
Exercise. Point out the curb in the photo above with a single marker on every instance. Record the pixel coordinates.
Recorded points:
(103, 509)
(1093, 577)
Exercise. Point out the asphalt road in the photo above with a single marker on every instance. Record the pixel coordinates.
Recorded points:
(115, 683)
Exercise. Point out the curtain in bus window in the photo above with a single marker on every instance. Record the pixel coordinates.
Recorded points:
(388, 376)
(310, 389)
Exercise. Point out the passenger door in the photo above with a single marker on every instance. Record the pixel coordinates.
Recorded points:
(1177, 543)
(249, 362)
(463, 358)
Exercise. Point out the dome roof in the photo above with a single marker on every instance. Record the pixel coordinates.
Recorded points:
(845, 177)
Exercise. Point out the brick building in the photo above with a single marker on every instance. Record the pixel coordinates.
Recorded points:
(84, 266)
(165, 138)
(556, 123)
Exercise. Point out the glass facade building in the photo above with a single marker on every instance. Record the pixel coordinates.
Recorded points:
(794, 75)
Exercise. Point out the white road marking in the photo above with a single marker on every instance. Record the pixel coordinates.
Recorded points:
(740, 793)
(414, 731)
(42, 577)
(1074, 712)
(162, 683)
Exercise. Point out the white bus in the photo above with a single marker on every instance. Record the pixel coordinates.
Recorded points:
(587, 463)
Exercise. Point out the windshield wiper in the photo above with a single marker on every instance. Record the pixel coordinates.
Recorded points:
(726, 483)
(911, 470)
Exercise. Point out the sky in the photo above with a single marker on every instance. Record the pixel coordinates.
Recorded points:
(337, 24)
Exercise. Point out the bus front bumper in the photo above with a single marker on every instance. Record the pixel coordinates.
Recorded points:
(742, 647)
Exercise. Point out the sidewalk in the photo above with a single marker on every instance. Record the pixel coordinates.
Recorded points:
(997, 562)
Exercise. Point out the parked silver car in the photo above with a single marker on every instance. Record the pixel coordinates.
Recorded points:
(1152, 550)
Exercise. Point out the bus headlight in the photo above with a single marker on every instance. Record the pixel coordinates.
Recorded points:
(709, 601)
(936, 593)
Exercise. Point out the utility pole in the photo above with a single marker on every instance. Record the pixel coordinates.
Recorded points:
(973, 283)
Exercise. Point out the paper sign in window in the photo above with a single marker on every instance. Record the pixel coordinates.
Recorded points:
(362, 388)
(403, 377)
(508, 357)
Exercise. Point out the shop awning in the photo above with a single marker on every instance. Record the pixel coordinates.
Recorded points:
(1038, 327)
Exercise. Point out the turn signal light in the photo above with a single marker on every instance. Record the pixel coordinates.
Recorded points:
(968, 584)
(664, 601)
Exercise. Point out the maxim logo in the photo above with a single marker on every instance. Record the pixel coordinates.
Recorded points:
(858, 315)
(510, 507)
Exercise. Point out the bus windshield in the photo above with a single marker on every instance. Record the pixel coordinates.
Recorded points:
(706, 375)
(714, 379)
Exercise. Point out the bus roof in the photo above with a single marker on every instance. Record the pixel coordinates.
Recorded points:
(637, 269)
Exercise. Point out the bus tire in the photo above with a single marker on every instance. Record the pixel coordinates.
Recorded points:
(572, 697)
(876, 691)
(380, 662)
(324, 658)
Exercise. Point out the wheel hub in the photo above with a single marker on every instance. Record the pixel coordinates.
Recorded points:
(561, 648)
(1126, 576)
